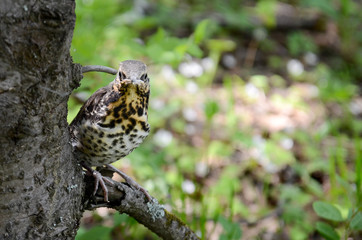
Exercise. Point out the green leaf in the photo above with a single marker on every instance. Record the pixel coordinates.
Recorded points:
(356, 222)
(211, 108)
(323, 5)
(327, 211)
(232, 231)
(201, 31)
(299, 43)
(218, 148)
(266, 11)
(327, 231)
(221, 45)
(158, 37)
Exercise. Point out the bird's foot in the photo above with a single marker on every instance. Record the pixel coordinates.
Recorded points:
(98, 180)
(130, 181)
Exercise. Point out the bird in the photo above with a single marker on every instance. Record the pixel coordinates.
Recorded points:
(112, 123)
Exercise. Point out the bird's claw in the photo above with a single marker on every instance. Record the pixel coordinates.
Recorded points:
(99, 180)
(130, 181)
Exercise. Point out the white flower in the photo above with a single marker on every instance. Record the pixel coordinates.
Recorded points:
(189, 114)
(191, 69)
(168, 73)
(310, 58)
(252, 91)
(188, 186)
(287, 143)
(229, 61)
(201, 169)
(191, 87)
(163, 138)
(157, 104)
(207, 63)
(295, 67)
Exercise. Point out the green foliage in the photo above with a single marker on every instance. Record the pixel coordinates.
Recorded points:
(232, 230)
(266, 10)
(299, 43)
(236, 17)
(211, 108)
(327, 231)
(165, 49)
(356, 222)
(327, 211)
(324, 5)
(250, 138)
(358, 171)
(203, 31)
(351, 222)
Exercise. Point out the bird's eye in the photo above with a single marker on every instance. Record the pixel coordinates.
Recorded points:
(144, 77)
(122, 75)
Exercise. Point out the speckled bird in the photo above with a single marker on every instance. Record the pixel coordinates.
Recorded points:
(113, 122)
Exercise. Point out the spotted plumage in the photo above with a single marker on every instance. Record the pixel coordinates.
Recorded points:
(113, 121)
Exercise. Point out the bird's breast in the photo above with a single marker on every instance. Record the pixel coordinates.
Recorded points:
(119, 132)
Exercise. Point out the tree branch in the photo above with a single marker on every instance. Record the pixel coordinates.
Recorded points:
(133, 202)
(99, 68)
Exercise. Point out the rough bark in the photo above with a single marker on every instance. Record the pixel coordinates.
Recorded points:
(41, 185)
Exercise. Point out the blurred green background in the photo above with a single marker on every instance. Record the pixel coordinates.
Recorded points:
(255, 112)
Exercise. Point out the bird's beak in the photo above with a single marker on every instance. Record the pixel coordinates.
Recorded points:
(136, 81)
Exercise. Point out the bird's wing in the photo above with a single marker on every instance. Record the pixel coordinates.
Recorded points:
(91, 107)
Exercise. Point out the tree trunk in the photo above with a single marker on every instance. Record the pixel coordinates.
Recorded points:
(41, 185)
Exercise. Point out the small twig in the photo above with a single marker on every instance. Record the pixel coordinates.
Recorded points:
(98, 68)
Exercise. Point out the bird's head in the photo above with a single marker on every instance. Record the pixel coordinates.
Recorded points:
(133, 73)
